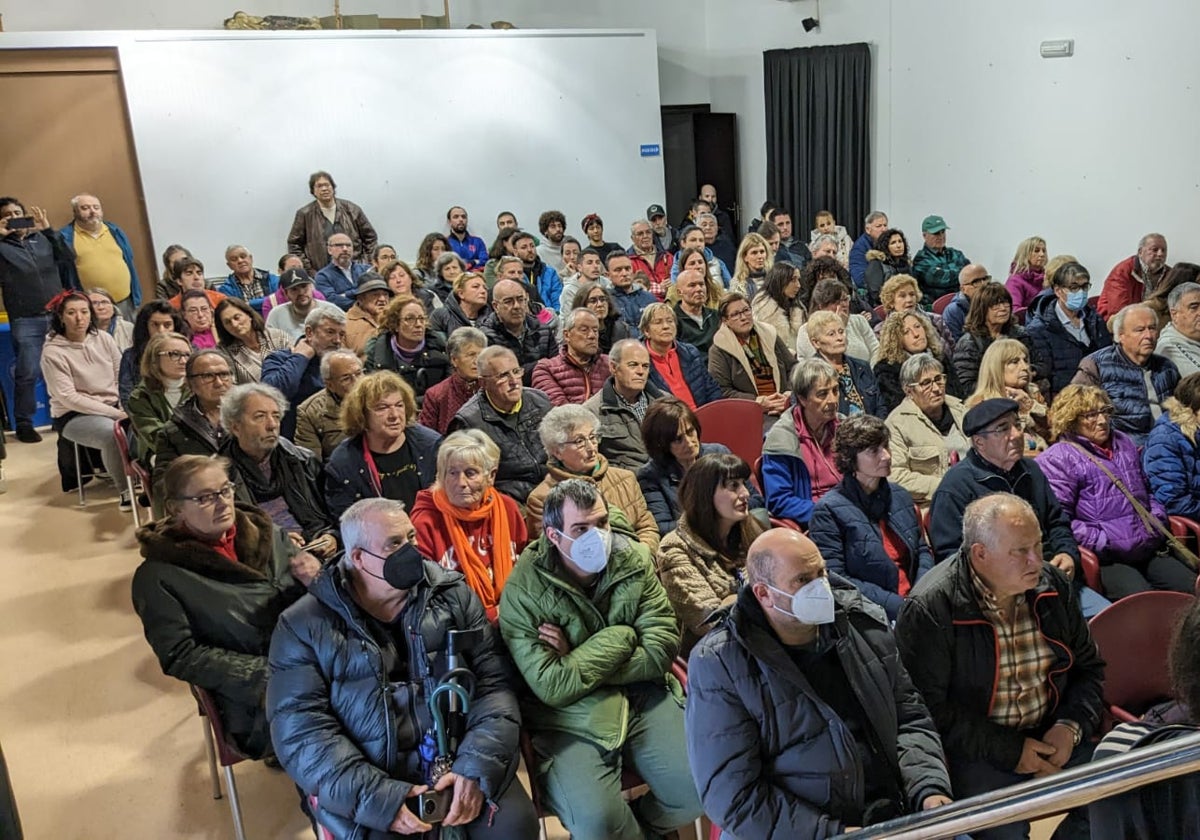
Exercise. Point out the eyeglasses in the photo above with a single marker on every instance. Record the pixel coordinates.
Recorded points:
(592, 301)
(1096, 414)
(207, 500)
(507, 375)
(412, 320)
(984, 279)
(174, 355)
(222, 375)
(926, 384)
(741, 313)
(999, 430)
(193, 310)
(585, 440)
(1078, 287)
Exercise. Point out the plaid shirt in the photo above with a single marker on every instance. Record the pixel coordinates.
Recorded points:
(1022, 695)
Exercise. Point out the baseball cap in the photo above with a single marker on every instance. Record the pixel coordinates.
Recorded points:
(934, 224)
(655, 210)
(294, 277)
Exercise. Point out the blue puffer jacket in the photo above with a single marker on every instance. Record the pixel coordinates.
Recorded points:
(1060, 351)
(694, 367)
(547, 282)
(853, 546)
(334, 723)
(1113, 371)
(1172, 463)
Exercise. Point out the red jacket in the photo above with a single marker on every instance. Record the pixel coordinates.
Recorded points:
(659, 273)
(1123, 286)
(443, 400)
(433, 537)
(564, 381)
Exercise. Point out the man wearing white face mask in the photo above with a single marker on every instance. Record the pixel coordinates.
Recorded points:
(593, 633)
(801, 720)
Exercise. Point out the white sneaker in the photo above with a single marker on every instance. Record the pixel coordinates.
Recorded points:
(126, 502)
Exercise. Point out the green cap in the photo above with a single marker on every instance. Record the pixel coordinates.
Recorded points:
(934, 224)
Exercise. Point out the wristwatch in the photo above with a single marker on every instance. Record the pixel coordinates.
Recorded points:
(1076, 731)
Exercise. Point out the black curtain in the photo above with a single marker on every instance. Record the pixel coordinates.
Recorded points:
(819, 133)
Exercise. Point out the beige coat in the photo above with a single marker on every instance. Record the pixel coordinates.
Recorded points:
(697, 578)
(318, 424)
(920, 455)
(788, 327)
(728, 364)
(620, 489)
(360, 327)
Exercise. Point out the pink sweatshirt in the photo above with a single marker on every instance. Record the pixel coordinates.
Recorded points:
(82, 376)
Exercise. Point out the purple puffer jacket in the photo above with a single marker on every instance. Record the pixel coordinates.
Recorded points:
(1102, 519)
(1024, 286)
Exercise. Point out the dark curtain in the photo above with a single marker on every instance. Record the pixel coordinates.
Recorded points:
(819, 133)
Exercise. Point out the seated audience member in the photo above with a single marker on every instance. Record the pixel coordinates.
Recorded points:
(676, 368)
(1063, 327)
(1159, 299)
(798, 462)
(888, 256)
(290, 317)
(245, 338)
(382, 255)
(509, 414)
(717, 241)
(831, 295)
(408, 345)
(447, 270)
(245, 282)
(748, 360)
(443, 400)
(824, 268)
(593, 228)
(936, 265)
(319, 418)
(79, 365)
(990, 318)
(1091, 469)
(696, 323)
(591, 270)
(214, 577)
(501, 250)
(904, 335)
(328, 655)
(569, 274)
(153, 317)
(801, 720)
(167, 286)
(701, 563)
(826, 225)
(866, 527)
(108, 318)
(198, 316)
(431, 249)
(925, 429)
(464, 523)
(340, 274)
(791, 248)
(1179, 341)
(650, 257)
(751, 264)
(825, 247)
(1171, 458)
(902, 294)
(593, 634)
(1134, 278)
(692, 238)
(273, 473)
(466, 306)
(971, 279)
(164, 385)
(600, 301)
(385, 451)
(370, 297)
(296, 371)
(552, 225)
(693, 259)
(1136, 378)
(1027, 272)
(286, 263)
(579, 369)
(996, 464)
(777, 302)
(622, 403)
(996, 644)
(402, 279)
(1005, 372)
(630, 298)
(189, 273)
(874, 225)
(510, 324)
(857, 391)
(569, 437)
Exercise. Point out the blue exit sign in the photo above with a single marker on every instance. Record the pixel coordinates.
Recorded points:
(651, 150)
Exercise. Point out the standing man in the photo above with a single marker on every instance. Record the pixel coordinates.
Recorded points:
(791, 249)
(936, 266)
(875, 224)
(664, 234)
(472, 249)
(709, 193)
(631, 299)
(245, 281)
(340, 276)
(316, 221)
(553, 226)
(971, 279)
(103, 255)
(650, 258)
(1180, 340)
(31, 256)
(1134, 278)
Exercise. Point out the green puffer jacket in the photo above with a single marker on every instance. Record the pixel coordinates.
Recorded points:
(625, 633)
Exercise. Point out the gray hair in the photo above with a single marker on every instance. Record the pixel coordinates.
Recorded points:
(234, 401)
(701, 217)
(821, 240)
(327, 361)
(445, 259)
(462, 338)
(874, 216)
(96, 290)
(914, 368)
(472, 446)
(233, 248)
(561, 421)
(650, 311)
(574, 315)
(324, 313)
(979, 519)
(636, 222)
(489, 353)
(1142, 242)
(506, 260)
(355, 520)
(582, 492)
(75, 200)
(1118, 320)
(1179, 291)
(623, 346)
(810, 372)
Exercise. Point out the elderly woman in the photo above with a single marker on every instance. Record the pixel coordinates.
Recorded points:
(370, 297)
(246, 339)
(443, 400)
(798, 464)
(751, 265)
(198, 316)
(925, 429)
(857, 391)
(866, 527)
(1093, 470)
(569, 435)
(902, 294)
(431, 249)
(701, 562)
(777, 302)
(448, 268)
(904, 335)
(79, 365)
(385, 453)
(748, 360)
(164, 385)
(109, 319)
(153, 317)
(831, 295)
(405, 346)
(465, 307)
(599, 301)
(401, 279)
(888, 257)
(214, 578)
(1005, 372)
(676, 367)
(464, 523)
(989, 318)
(1027, 272)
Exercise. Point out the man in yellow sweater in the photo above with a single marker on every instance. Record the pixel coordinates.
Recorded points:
(103, 256)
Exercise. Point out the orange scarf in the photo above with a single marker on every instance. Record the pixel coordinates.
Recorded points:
(469, 561)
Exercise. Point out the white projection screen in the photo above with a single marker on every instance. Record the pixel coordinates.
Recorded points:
(228, 128)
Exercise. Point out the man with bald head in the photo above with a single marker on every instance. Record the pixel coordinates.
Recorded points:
(510, 324)
(971, 279)
(696, 323)
(1134, 278)
(799, 681)
(103, 255)
(622, 402)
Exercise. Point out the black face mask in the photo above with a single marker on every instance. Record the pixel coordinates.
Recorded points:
(403, 568)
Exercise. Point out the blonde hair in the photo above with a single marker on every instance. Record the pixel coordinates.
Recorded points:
(367, 391)
(1054, 264)
(887, 295)
(820, 321)
(741, 271)
(468, 446)
(891, 337)
(1020, 260)
(991, 370)
(1072, 402)
(149, 367)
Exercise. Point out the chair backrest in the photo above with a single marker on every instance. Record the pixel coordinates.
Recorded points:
(736, 423)
(227, 752)
(1133, 636)
(880, 312)
(122, 437)
(939, 305)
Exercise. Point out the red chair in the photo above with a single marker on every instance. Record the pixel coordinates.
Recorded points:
(1186, 529)
(679, 669)
(1090, 566)
(927, 524)
(133, 470)
(225, 752)
(921, 522)
(941, 303)
(880, 313)
(1133, 635)
(736, 423)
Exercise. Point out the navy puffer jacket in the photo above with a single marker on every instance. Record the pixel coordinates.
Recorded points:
(1125, 383)
(694, 366)
(334, 726)
(1058, 349)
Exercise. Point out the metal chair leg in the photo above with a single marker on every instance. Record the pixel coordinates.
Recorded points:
(133, 501)
(212, 758)
(79, 475)
(235, 807)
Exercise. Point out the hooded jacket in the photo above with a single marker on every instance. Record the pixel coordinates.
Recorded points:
(33, 270)
(451, 316)
(1059, 350)
(1024, 286)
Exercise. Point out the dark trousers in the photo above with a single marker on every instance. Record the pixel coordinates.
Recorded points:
(1162, 571)
(28, 336)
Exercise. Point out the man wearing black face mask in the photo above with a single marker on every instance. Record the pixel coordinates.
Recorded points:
(801, 720)
(384, 614)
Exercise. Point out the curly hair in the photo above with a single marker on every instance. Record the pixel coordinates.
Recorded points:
(369, 390)
(887, 294)
(854, 435)
(1071, 403)
(992, 294)
(881, 244)
(891, 337)
(389, 321)
(425, 250)
(548, 218)
(820, 269)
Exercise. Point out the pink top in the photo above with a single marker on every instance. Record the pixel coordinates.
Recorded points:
(82, 376)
